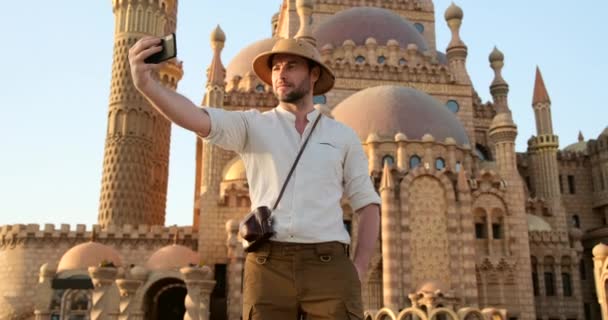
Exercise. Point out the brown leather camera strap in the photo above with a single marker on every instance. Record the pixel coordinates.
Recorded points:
(293, 167)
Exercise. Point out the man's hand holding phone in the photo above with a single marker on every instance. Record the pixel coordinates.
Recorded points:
(146, 54)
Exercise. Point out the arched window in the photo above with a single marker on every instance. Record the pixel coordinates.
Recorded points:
(259, 88)
(453, 106)
(439, 164)
(414, 161)
(388, 159)
(482, 152)
(381, 59)
(576, 221)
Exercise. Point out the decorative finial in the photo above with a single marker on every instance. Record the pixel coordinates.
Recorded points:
(304, 8)
(453, 16)
(176, 236)
(581, 138)
(94, 234)
(218, 35)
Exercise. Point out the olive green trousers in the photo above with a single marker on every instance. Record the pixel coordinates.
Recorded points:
(288, 281)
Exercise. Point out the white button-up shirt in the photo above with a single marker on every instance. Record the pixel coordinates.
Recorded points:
(332, 164)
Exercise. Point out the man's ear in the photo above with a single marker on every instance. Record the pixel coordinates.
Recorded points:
(315, 73)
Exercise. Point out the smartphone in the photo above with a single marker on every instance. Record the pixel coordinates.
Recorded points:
(169, 50)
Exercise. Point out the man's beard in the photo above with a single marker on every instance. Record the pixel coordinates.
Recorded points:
(296, 94)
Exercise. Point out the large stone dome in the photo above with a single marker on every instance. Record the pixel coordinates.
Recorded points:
(172, 257)
(388, 110)
(88, 254)
(241, 64)
(360, 23)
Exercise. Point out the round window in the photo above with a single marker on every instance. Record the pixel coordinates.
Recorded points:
(453, 106)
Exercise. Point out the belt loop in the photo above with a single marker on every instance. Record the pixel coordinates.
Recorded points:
(264, 250)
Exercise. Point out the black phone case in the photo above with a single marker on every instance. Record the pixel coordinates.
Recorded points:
(169, 50)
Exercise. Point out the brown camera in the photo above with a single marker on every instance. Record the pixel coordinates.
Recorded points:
(256, 228)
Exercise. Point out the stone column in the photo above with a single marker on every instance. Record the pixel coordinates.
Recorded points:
(106, 298)
(128, 290)
(44, 293)
(236, 259)
(199, 284)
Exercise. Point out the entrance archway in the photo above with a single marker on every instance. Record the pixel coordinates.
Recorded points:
(165, 299)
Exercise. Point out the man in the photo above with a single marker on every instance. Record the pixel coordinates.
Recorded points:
(304, 269)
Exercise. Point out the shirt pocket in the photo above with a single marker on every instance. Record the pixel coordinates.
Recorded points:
(324, 160)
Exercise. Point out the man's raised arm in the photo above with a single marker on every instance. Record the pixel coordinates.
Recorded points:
(169, 103)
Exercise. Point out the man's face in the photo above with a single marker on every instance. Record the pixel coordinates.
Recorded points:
(292, 78)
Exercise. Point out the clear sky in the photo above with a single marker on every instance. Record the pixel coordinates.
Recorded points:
(57, 58)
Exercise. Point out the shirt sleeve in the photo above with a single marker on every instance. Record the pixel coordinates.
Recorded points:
(358, 185)
(229, 129)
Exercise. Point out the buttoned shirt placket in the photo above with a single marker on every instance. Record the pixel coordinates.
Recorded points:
(288, 119)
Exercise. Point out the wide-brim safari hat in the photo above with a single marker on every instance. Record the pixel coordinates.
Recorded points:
(298, 47)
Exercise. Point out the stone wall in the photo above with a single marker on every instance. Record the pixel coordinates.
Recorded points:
(24, 248)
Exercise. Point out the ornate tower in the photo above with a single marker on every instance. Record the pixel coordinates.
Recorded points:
(136, 157)
(502, 133)
(543, 148)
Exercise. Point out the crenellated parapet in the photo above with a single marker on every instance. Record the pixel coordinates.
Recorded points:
(386, 61)
(247, 98)
(549, 238)
(12, 236)
(414, 5)
(573, 158)
(406, 154)
(153, 16)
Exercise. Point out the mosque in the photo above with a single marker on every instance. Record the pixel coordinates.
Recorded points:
(470, 229)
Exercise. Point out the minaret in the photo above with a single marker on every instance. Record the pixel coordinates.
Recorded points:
(457, 51)
(391, 276)
(544, 146)
(136, 158)
(502, 130)
(214, 97)
(503, 133)
(211, 159)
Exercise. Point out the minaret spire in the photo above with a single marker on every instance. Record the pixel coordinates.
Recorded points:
(542, 106)
(540, 91)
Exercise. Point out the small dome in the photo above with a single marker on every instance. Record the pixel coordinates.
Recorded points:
(172, 257)
(241, 64)
(388, 110)
(536, 223)
(235, 170)
(89, 254)
(360, 23)
(580, 146)
(453, 12)
(400, 137)
(600, 251)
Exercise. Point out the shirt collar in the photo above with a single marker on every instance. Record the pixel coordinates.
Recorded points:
(292, 117)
